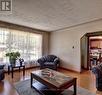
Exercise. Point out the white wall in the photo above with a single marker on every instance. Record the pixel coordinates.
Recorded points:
(62, 41)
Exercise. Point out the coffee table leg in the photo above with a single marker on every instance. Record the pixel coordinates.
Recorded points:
(24, 71)
(75, 88)
(19, 69)
(8, 70)
(12, 72)
(31, 80)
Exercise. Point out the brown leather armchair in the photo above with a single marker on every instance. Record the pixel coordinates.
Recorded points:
(49, 61)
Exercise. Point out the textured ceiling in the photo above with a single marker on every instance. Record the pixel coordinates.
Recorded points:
(51, 15)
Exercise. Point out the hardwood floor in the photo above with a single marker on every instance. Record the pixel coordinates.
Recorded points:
(85, 79)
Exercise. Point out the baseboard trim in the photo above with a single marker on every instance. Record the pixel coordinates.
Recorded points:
(69, 69)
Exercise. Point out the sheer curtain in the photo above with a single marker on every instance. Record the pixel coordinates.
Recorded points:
(28, 44)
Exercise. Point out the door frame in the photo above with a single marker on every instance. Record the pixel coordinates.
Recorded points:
(97, 33)
(81, 52)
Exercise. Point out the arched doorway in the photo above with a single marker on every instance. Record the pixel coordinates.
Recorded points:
(85, 49)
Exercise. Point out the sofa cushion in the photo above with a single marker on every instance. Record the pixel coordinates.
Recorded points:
(49, 58)
(48, 63)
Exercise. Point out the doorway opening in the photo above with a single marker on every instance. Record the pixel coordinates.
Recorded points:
(91, 50)
(95, 50)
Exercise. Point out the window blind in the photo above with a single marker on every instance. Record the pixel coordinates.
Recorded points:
(28, 44)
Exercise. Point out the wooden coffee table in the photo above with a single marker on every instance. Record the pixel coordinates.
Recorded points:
(50, 82)
(16, 66)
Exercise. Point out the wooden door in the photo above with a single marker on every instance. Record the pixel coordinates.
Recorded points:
(84, 52)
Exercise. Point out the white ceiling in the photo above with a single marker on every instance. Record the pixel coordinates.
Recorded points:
(51, 15)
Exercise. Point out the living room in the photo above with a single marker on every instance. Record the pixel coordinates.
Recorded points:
(40, 31)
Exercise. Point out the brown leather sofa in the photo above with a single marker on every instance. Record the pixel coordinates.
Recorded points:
(2, 75)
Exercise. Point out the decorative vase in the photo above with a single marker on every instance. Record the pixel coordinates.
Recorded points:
(13, 62)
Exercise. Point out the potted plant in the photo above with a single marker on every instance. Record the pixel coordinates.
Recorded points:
(13, 57)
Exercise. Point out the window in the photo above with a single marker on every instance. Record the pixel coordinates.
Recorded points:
(28, 44)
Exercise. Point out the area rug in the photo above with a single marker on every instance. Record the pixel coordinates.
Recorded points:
(23, 88)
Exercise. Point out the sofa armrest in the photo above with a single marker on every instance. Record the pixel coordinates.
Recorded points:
(2, 66)
(56, 61)
(40, 61)
(97, 72)
(2, 75)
